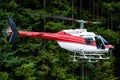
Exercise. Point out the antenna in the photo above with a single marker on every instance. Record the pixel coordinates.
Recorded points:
(82, 22)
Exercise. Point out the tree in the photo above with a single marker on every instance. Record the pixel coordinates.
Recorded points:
(26, 59)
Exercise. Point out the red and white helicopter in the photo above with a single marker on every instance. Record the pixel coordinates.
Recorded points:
(85, 45)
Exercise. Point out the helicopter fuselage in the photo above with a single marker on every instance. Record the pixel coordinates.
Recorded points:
(74, 40)
(92, 43)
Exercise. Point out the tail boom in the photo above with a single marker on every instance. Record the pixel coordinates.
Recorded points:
(60, 36)
(52, 36)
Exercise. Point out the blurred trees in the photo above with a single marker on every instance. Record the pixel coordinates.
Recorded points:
(28, 60)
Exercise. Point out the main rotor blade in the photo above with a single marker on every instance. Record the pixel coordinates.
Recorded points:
(64, 18)
(75, 20)
(90, 22)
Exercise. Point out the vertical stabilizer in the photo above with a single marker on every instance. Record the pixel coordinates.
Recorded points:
(14, 30)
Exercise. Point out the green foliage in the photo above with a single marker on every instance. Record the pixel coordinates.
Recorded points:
(26, 71)
(12, 5)
(54, 26)
(28, 60)
(4, 75)
(111, 36)
(105, 70)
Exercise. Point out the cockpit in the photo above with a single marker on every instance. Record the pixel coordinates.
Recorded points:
(105, 41)
(102, 43)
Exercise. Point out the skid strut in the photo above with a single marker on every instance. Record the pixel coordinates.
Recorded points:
(90, 57)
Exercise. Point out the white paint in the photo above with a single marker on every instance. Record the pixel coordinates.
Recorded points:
(79, 32)
(78, 47)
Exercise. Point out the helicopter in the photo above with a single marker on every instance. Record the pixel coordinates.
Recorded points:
(85, 45)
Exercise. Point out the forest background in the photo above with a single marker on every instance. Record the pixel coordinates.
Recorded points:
(39, 59)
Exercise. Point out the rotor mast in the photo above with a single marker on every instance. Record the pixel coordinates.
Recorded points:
(81, 23)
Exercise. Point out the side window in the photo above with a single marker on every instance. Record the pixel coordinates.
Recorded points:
(89, 40)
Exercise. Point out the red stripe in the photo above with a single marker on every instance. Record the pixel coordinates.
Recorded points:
(60, 36)
(109, 46)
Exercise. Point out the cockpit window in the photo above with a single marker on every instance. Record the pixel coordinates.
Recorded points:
(105, 41)
(99, 42)
(89, 40)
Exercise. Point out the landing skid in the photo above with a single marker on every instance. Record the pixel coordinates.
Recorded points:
(89, 57)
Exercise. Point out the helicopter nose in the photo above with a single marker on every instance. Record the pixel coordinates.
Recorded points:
(110, 50)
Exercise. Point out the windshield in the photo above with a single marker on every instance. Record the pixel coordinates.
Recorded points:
(105, 41)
